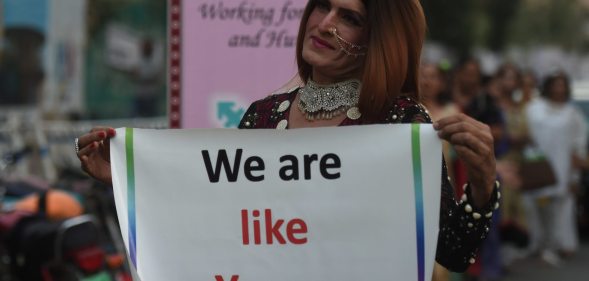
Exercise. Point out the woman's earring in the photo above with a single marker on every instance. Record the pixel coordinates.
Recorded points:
(348, 48)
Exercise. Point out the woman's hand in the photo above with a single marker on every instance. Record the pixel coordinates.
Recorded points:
(94, 153)
(473, 142)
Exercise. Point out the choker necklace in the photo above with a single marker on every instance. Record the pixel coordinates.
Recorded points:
(323, 102)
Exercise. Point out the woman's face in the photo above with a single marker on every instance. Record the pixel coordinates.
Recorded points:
(558, 90)
(321, 48)
(470, 75)
(509, 80)
(528, 82)
(432, 82)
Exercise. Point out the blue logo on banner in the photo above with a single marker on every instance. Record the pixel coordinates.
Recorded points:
(227, 113)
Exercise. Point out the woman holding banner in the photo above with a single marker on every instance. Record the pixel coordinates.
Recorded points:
(359, 63)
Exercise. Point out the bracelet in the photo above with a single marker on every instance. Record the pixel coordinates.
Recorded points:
(487, 211)
(471, 221)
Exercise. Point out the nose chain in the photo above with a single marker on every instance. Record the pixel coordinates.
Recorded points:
(347, 47)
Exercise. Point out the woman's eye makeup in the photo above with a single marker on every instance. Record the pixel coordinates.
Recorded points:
(351, 19)
(348, 16)
(323, 5)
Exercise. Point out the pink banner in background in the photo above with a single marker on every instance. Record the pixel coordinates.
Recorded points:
(233, 52)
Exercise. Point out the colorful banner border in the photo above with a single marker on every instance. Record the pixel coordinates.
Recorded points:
(131, 195)
(419, 212)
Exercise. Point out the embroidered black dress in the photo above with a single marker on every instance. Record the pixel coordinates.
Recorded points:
(460, 234)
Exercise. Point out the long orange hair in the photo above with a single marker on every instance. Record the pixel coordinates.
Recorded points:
(391, 67)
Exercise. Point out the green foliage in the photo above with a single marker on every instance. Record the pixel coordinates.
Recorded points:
(463, 25)
(501, 14)
(551, 22)
(450, 22)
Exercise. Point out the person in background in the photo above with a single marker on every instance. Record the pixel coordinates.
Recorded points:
(509, 79)
(434, 90)
(558, 129)
(436, 99)
(475, 100)
(472, 98)
(529, 88)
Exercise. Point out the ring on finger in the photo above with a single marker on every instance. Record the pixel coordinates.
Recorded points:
(77, 145)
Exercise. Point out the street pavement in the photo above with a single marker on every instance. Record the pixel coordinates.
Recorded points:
(533, 269)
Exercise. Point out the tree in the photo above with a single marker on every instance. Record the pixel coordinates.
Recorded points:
(500, 14)
(549, 22)
(450, 22)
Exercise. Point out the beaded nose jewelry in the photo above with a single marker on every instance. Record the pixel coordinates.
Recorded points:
(348, 48)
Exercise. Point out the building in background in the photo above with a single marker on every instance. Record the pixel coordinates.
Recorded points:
(63, 58)
(21, 69)
(1, 29)
(122, 78)
(63, 91)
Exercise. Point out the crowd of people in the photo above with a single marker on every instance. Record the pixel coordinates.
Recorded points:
(531, 118)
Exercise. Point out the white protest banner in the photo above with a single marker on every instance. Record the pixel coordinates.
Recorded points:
(350, 203)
